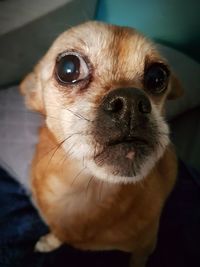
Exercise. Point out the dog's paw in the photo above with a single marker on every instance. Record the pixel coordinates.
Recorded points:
(47, 243)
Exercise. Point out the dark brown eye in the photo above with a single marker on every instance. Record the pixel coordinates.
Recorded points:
(71, 68)
(156, 78)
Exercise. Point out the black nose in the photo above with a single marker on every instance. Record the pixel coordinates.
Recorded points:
(126, 103)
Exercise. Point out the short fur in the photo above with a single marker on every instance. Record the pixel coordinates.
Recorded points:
(83, 203)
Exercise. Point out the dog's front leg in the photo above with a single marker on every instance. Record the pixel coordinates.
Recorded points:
(140, 255)
(47, 243)
(139, 260)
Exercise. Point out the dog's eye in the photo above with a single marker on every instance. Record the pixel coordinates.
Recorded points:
(71, 68)
(156, 78)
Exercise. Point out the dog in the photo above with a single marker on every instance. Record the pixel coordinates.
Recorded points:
(104, 164)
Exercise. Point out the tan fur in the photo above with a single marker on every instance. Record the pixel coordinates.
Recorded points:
(80, 209)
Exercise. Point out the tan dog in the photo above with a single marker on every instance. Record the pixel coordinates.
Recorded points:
(104, 165)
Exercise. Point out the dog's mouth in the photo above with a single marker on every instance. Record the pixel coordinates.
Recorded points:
(132, 141)
(130, 145)
(123, 156)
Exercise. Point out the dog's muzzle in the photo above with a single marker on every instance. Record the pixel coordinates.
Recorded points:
(125, 130)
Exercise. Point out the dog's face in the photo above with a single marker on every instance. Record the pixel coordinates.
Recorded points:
(102, 89)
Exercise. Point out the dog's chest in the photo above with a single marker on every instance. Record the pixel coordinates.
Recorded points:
(94, 216)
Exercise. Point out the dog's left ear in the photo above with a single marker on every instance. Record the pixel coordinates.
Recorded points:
(31, 88)
(176, 89)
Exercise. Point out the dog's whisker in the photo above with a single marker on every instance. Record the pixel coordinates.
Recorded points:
(61, 141)
(69, 152)
(133, 168)
(66, 156)
(47, 153)
(100, 190)
(88, 185)
(95, 150)
(78, 174)
(163, 133)
(83, 161)
(56, 150)
(78, 115)
(64, 159)
(161, 145)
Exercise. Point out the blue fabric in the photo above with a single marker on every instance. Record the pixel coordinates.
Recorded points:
(178, 240)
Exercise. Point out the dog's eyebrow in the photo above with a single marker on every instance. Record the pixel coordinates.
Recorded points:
(149, 61)
(82, 42)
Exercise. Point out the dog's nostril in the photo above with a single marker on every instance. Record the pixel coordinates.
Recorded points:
(115, 105)
(144, 106)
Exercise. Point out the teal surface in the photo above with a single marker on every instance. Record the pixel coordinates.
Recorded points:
(172, 22)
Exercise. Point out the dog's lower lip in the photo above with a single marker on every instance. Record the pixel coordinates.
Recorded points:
(132, 140)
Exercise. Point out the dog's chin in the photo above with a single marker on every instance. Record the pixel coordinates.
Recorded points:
(106, 174)
(126, 162)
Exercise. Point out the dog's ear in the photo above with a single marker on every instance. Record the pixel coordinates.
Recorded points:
(176, 89)
(31, 88)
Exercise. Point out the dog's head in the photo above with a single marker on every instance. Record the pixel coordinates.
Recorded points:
(103, 89)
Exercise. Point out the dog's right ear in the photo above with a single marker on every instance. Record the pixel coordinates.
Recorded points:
(31, 88)
(176, 88)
